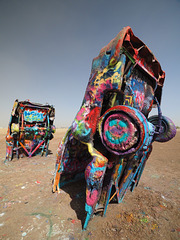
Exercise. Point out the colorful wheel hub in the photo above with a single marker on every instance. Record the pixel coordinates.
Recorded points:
(120, 133)
(123, 130)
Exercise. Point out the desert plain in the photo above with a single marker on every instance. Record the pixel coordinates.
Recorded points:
(29, 210)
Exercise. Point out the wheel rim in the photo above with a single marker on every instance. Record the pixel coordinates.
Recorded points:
(123, 130)
(120, 133)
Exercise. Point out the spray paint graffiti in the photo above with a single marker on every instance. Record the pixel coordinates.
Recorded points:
(111, 136)
(30, 129)
(34, 116)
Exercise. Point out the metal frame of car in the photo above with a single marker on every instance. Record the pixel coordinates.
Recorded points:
(111, 136)
(30, 129)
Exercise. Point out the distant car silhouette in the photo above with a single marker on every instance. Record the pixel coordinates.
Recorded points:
(30, 129)
(111, 136)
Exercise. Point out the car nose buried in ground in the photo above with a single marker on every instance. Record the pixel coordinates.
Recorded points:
(111, 136)
(30, 129)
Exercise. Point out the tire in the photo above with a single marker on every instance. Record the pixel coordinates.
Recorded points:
(167, 131)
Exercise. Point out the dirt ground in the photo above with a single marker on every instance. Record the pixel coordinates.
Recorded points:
(29, 210)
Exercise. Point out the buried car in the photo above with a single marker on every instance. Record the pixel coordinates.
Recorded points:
(30, 129)
(111, 136)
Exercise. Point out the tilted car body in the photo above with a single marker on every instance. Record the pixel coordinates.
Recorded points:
(111, 136)
(30, 129)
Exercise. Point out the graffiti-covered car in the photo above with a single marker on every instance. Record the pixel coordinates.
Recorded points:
(30, 129)
(111, 136)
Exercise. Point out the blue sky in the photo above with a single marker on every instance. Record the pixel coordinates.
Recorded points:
(47, 47)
